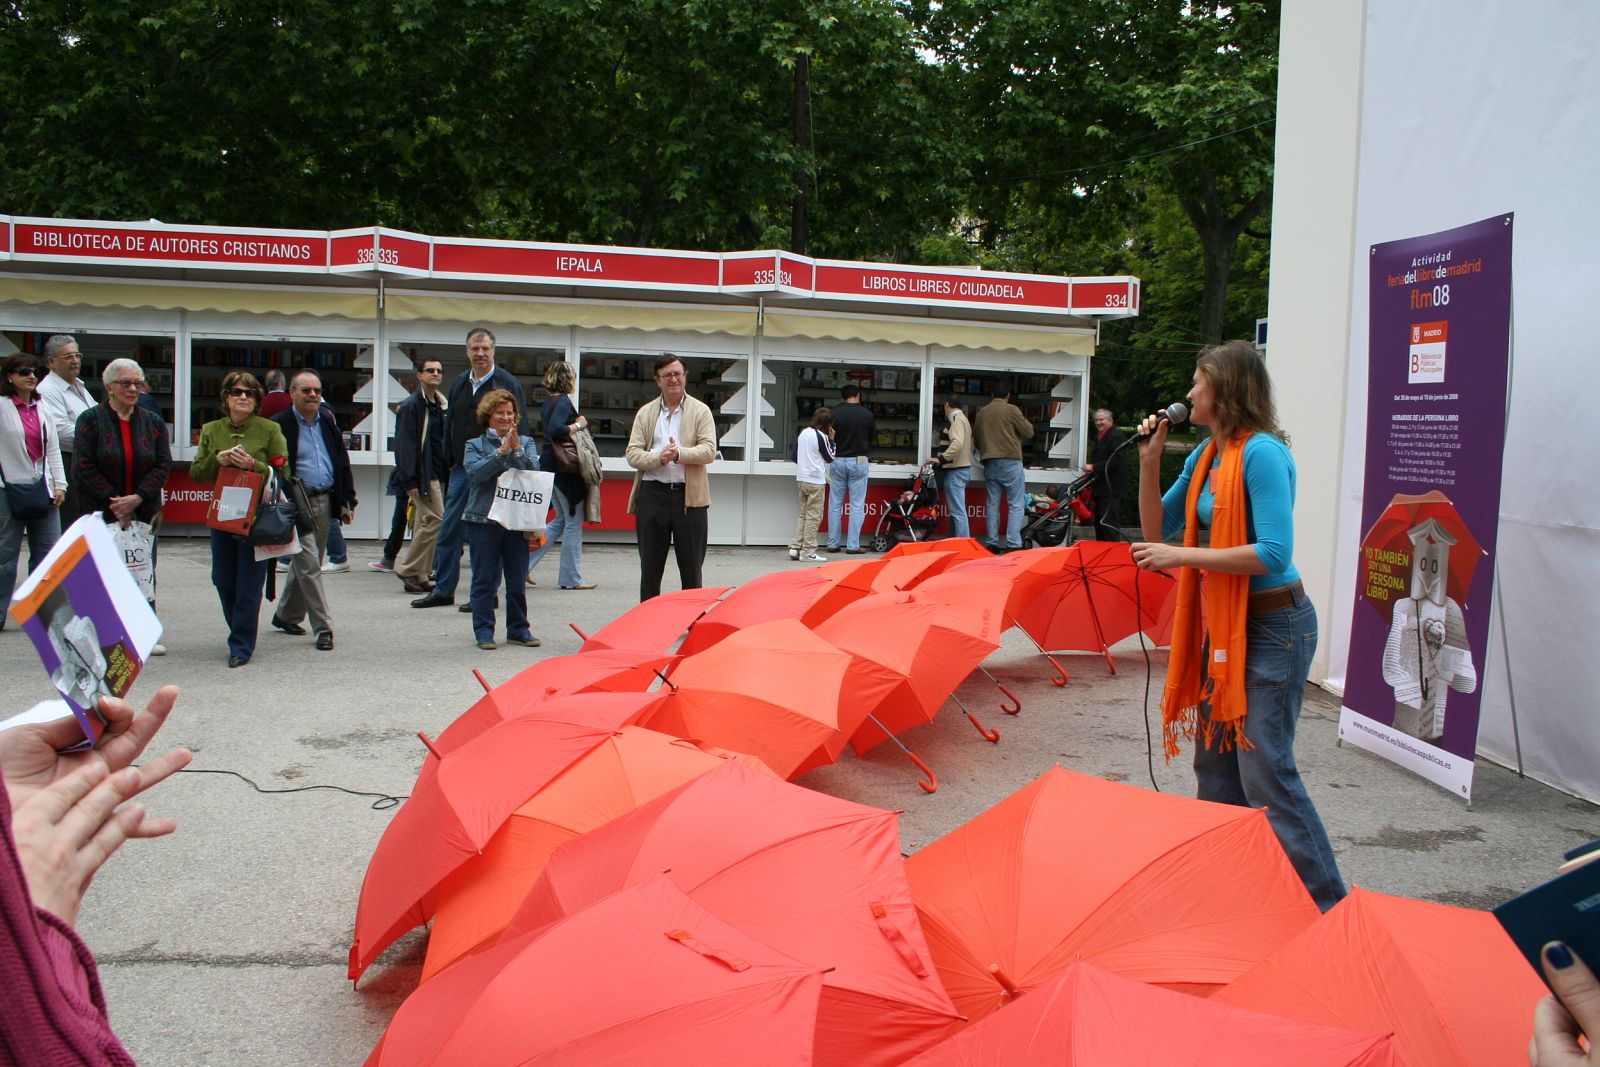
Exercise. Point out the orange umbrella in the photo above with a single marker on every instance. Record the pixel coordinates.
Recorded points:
(779, 595)
(772, 690)
(644, 976)
(906, 572)
(1448, 981)
(815, 877)
(656, 624)
(1087, 1016)
(603, 670)
(1387, 550)
(462, 797)
(959, 548)
(1005, 584)
(632, 766)
(1096, 597)
(852, 579)
(1179, 892)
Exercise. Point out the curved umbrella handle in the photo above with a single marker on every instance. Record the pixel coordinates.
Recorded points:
(989, 735)
(1015, 705)
(1061, 677)
(931, 783)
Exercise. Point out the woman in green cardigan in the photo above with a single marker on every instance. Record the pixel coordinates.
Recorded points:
(242, 439)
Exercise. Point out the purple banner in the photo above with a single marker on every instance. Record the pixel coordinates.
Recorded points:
(1438, 350)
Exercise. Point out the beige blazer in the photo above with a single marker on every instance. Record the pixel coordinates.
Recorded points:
(696, 450)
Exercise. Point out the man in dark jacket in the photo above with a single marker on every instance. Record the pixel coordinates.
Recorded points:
(461, 417)
(421, 466)
(319, 460)
(1108, 464)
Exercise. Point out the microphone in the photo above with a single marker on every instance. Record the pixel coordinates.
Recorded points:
(1175, 414)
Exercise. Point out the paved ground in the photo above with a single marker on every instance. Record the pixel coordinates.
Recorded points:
(226, 944)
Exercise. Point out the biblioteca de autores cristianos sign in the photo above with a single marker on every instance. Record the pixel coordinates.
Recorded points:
(138, 244)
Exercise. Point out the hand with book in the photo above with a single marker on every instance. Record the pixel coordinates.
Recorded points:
(1560, 1021)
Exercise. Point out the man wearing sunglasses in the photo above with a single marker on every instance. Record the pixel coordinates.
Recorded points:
(64, 397)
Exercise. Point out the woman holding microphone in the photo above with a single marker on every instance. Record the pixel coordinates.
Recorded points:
(1243, 629)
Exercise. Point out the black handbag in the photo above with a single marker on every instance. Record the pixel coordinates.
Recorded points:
(27, 500)
(275, 517)
(566, 453)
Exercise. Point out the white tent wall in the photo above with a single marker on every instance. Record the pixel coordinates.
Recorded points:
(1461, 111)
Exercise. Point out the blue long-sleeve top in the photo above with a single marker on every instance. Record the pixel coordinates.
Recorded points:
(1269, 480)
(484, 463)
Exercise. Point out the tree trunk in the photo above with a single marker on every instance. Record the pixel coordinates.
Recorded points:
(1219, 242)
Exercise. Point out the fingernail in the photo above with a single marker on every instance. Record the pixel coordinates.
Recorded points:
(1559, 955)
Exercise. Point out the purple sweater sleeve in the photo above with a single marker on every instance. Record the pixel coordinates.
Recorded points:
(51, 1010)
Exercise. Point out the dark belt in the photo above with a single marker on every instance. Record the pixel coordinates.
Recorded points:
(671, 487)
(1284, 596)
(319, 492)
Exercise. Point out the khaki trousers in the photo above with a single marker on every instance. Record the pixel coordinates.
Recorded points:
(805, 527)
(417, 560)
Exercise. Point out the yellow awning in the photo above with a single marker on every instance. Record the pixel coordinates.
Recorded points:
(617, 316)
(291, 301)
(1076, 341)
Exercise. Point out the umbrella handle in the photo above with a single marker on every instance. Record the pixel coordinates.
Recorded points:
(930, 784)
(1015, 705)
(1061, 676)
(989, 735)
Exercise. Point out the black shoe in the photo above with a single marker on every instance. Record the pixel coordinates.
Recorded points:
(238, 661)
(834, 548)
(288, 627)
(433, 600)
(854, 551)
(325, 641)
(527, 642)
(412, 585)
(466, 609)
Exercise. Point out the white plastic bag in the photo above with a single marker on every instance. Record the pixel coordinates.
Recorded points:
(522, 499)
(136, 542)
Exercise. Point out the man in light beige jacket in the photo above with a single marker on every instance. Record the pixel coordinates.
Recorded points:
(672, 440)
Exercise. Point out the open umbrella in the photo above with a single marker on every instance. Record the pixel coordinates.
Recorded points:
(1000, 583)
(625, 770)
(1389, 547)
(462, 797)
(772, 690)
(656, 624)
(643, 976)
(779, 595)
(603, 670)
(1448, 981)
(1087, 1017)
(959, 548)
(1178, 892)
(815, 877)
(852, 579)
(1095, 598)
(906, 572)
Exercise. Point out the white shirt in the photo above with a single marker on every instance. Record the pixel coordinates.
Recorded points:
(669, 428)
(64, 403)
(808, 454)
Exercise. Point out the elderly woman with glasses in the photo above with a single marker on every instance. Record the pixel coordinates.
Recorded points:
(242, 439)
(123, 456)
(30, 466)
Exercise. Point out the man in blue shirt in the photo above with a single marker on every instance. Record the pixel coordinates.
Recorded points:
(319, 460)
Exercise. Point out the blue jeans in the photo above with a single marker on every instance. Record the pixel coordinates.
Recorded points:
(447, 557)
(1278, 650)
(1005, 475)
(42, 536)
(239, 580)
(337, 552)
(571, 544)
(498, 554)
(953, 487)
(847, 475)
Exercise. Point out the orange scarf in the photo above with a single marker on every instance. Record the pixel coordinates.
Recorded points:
(1216, 643)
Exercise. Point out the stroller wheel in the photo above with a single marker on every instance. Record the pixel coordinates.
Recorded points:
(880, 542)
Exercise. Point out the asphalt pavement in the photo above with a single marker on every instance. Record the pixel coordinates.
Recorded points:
(226, 943)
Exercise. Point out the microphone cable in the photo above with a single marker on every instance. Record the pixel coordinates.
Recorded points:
(383, 803)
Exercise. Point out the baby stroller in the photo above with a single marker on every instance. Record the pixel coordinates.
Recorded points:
(912, 515)
(1050, 520)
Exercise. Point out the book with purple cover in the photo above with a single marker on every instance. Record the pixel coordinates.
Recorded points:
(90, 624)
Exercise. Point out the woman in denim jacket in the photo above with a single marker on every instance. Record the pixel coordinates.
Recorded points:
(498, 555)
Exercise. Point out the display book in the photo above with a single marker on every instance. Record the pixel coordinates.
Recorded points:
(89, 622)
(1566, 908)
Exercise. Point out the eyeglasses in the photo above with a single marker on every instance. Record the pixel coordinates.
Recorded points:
(671, 376)
(309, 390)
(432, 370)
(241, 391)
(129, 383)
(27, 372)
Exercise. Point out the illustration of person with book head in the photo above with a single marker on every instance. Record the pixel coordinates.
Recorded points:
(1426, 654)
(80, 675)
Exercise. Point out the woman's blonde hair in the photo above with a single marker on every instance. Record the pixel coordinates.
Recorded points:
(559, 377)
(1241, 388)
(493, 399)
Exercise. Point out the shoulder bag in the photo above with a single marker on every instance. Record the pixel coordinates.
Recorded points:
(275, 517)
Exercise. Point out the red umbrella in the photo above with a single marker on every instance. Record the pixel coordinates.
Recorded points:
(654, 625)
(815, 877)
(852, 580)
(1179, 892)
(906, 572)
(959, 548)
(644, 976)
(1005, 584)
(772, 690)
(1096, 597)
(1086, 1017)
(779, 595)
(1390, 546)
(1448, 981)
(463, 797)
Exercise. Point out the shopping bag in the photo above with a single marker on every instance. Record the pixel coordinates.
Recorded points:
(234, 497)
(522, 499)
(135, 541)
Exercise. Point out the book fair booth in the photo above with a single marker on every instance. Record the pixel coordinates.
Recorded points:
(766, 338)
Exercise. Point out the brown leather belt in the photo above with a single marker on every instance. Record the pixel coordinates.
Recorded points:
(1272, 599)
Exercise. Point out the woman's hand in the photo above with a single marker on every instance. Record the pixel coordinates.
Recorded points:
(123, 507)
(508, 443)
(1156, 426)
(581, 422)
(1574, 1011)
(57, 497)
(1155, 556)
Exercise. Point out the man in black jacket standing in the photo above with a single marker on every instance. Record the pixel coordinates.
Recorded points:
(422, 464)
(1109, 467)
(319, 460)
(461, 416)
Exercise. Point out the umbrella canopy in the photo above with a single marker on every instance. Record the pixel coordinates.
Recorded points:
(852, 579)
(772, 690)
(656, 624)
(907, 572)
(1088, 1017)
(1448, 981)
(959, 548)
(814, 877)
(643, 976)
(632, 766)
(779, 595)
(1096, 596)
(1388, 550)
(604, 670)
(462, 797)
(1164, 889)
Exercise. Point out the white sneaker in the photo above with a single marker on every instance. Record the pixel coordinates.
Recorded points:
(335, 568)
(159, 649)
(812, 557)
(794, 553)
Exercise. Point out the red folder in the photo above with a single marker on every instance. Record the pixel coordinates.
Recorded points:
(234, 498)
